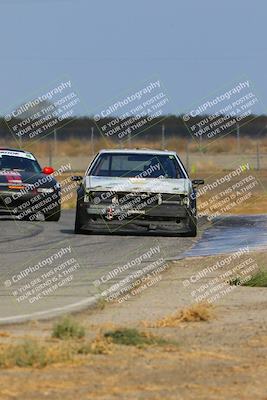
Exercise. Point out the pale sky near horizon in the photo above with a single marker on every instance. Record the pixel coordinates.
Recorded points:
(108, 47)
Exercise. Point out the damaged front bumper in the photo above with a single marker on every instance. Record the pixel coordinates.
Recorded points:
(131, 211)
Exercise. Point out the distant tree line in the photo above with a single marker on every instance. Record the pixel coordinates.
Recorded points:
(174, 126)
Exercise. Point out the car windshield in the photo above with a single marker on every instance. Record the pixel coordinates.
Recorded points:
(137, 165)
(18, 164)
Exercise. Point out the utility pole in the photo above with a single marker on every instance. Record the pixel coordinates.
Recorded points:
(258, 156)
(92, 141)
(49, 152)
(237, 138)
(20, 142)
(55, 142)
(130, 138)
(187, 155)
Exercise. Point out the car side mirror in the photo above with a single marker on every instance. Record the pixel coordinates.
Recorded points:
(48, 170)
(197, 182)
(76, 178)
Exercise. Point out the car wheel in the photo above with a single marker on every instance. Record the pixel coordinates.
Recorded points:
(55, 216)
(77, 226)
(192, 227)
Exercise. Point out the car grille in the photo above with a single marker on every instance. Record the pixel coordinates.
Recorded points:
(122, 198)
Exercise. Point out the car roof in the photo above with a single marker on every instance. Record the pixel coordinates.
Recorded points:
(138, 151)
(12, 149)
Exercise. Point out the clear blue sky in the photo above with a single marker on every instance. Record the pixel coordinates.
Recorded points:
(109, 46)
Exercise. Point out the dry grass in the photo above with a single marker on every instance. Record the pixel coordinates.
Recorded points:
(100, 345)
(5, 334)
(72, 147)
(36, 354)
(39, 354)
(196, 313)
(30, 353)
(255, 204)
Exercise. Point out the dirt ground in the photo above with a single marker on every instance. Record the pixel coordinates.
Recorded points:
(224, 358)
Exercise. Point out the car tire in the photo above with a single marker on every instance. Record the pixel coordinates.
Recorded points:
(77, 226)
(192, 224)
(55, 216)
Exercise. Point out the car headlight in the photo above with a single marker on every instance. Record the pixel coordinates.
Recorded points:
(45, 190)
(186, 201)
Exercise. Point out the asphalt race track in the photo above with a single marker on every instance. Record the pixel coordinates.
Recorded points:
(24, 244)
(47, 270)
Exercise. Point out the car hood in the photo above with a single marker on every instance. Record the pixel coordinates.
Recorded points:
(151, 185)
(27, 178)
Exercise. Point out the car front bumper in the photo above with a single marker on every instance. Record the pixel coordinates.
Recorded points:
(168, 214)
(27, 204)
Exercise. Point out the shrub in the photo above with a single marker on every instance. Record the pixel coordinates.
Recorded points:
(68, 328)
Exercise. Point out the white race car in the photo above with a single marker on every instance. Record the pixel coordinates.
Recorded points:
(136, 190)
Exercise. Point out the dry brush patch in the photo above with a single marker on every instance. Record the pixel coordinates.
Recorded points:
(68, 328)
(39, 354)
(32, 353)
(133, 337)
(69, 345)
(195, 313)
